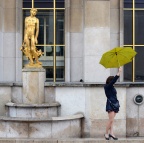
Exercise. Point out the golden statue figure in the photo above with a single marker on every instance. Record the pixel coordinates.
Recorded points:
(31, 31)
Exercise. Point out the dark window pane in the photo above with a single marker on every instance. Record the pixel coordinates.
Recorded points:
(60, 63)
(50, 28)
(60, 74)
(46, 33)
(26, 13)
(139, 73)
(139, 27)
(59, 51)
(27, 3)
(41, 30)
(49, 73)
(128, 72)
(43, 3)
(139, 3)
(127, 27)
(128, 3)
(49, 51)
(60, 4)
(60, 27)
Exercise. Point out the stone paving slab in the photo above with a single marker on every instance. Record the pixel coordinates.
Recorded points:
(101, 140)
(74, 140)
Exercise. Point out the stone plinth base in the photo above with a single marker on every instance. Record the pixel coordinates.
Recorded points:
(33, 85)
(55, 127)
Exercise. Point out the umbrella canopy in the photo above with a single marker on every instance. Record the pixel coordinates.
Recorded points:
(117, 57)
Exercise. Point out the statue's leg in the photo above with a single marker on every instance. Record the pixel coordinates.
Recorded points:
(29, 55)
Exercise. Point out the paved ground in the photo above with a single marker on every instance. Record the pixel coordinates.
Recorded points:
(74, 140)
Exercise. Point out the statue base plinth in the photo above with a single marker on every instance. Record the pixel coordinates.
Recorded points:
(33, 85)
(36, 65)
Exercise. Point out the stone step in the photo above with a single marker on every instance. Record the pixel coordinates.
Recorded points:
(102, 140)
(45, 110)
(73, 140)
(54, 127)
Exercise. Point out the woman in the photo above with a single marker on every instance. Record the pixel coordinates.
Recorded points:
(111, 95)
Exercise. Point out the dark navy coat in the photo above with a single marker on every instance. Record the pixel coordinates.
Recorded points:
(111, 94)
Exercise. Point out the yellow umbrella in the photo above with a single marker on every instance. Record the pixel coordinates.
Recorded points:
(117, 57)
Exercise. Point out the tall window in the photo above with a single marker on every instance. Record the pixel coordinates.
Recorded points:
(134, 37)
(51, 35)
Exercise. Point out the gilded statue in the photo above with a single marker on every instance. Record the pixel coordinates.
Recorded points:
(31, 31)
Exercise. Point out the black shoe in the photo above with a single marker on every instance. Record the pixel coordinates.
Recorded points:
(113, 137)
(107, 138)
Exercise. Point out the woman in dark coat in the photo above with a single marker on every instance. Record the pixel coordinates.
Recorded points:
(111, 95)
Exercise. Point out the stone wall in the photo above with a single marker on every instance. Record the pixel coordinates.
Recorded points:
(10, 40)
(90, 100)
(135, 113)
(91, 28)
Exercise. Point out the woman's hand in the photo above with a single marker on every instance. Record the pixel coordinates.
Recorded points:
(119, 71)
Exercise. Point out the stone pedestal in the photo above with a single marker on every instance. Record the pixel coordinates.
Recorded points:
(33, 85)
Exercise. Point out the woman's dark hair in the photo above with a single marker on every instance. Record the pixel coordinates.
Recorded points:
(109, 79)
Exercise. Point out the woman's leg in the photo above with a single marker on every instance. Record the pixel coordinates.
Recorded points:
(109, 126)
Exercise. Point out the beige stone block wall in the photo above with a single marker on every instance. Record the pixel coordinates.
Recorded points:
(10, 26)
(91, 101)
(19, 35)
(98, 117)
(1, 39)
(99, 127)
(1, 15)
(96, 39)
(116, 28)
(74, 40)
(74, 16)
(135, 116)
(49, 93)
(16, 95)
(97, 14)
(9, 4)
(76, 20)
(92, 28)
(5, 96)
(9, 20)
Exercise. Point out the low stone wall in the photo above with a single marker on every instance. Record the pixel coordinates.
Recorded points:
(55, 127)
(89, 99)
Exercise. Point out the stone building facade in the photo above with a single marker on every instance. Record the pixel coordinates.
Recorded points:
(91, 28)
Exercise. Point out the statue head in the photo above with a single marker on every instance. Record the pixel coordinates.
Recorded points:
(33, 11)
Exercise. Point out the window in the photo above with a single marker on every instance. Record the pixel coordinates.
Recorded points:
(134, 37)
(51, 35)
